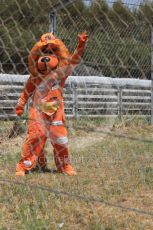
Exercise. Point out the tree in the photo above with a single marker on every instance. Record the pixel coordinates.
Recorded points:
(121, 17)
(23, 22)
(145, 12)
(99, 14)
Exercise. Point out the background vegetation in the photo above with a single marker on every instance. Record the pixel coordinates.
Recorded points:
(119, 36)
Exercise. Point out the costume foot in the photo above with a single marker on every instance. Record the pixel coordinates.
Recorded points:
(69, 170)
(20, 173)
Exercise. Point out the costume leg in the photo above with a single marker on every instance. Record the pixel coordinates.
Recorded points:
(42, 160)
(59, 141)
(34, 143)
(58, 135)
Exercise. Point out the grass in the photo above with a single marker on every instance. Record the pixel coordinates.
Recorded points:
(111, 169)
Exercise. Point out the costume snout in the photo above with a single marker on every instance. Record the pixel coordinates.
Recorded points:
(47, 63)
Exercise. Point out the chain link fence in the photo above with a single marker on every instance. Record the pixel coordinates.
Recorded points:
(119, 35)
(119, 39)
(113, 189)
(119, 44)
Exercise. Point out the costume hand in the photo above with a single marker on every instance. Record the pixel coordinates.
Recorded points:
(19, 110)
(82, 38)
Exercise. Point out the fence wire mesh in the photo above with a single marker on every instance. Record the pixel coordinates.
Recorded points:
(108, 108)
(119, 42)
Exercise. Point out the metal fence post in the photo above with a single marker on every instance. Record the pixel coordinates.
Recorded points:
(54, 10)
(120, 106)
(52, 22)
(75, 101)
(152, 74)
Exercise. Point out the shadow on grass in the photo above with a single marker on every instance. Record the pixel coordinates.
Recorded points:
(40, 170)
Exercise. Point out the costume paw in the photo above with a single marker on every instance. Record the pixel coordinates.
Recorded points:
(82, 38)
(20, 173)
(69, 170)
(19, 110)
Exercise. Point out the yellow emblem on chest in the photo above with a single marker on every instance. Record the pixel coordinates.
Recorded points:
(49, 106)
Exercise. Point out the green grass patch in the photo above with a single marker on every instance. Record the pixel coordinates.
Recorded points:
(111, 169)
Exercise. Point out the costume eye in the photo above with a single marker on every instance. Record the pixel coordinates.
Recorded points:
(54, 49)
(44, 50)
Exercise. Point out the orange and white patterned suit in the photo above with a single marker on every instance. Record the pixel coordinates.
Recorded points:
(46, 115)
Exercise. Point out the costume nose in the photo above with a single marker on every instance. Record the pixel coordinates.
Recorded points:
(45, 59)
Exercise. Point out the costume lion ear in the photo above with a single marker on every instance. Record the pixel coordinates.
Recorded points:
(47, 38)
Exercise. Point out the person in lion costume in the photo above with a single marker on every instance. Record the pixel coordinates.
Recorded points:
(50, 63)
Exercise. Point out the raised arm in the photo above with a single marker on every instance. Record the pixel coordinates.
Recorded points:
(65, 71)
(76, 56)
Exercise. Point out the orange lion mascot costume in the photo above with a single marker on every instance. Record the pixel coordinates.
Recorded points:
(50, 63)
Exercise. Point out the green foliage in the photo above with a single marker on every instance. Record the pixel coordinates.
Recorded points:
(119, 37)
(146, 11)
(120, 14)
(100, 10)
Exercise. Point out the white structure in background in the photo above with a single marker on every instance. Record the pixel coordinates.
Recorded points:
(89, 96)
